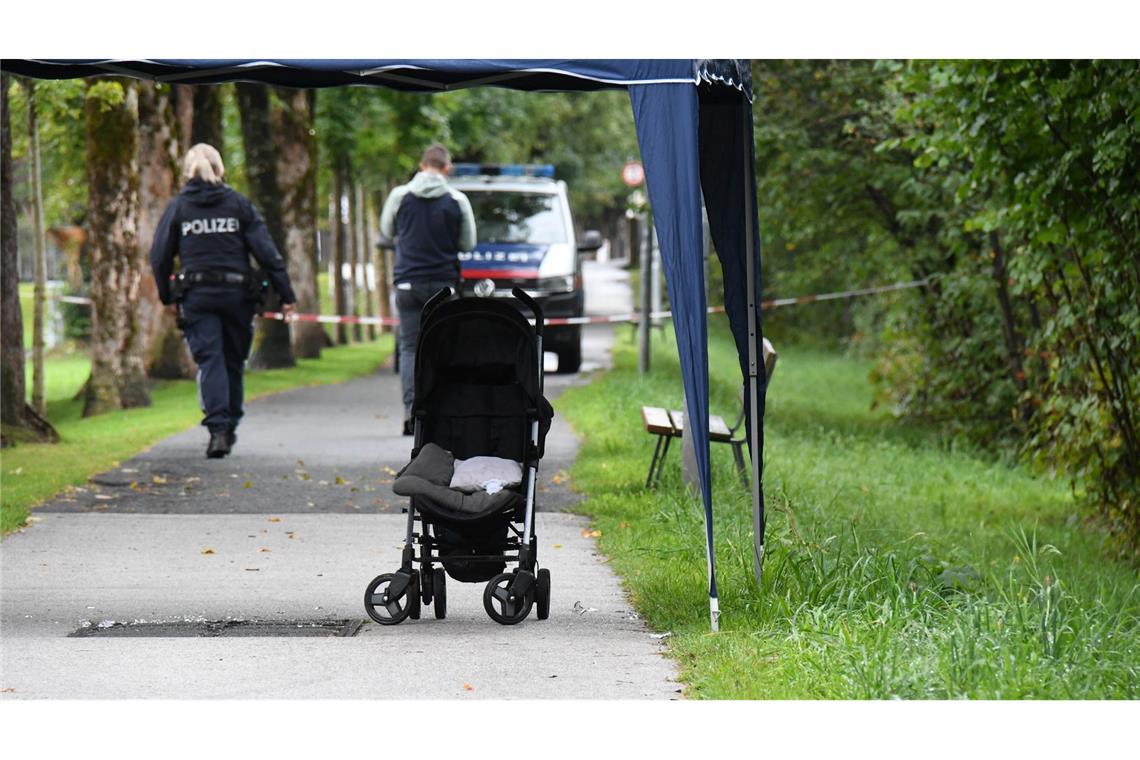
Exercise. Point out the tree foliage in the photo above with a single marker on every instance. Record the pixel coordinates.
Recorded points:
(1012, 186)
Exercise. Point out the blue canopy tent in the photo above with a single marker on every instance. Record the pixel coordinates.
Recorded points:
(694, 126)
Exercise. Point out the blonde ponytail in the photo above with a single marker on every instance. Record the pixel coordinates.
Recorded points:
(203, 161)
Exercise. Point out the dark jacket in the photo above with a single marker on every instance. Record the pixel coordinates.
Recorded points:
(432, 223)
(214, 228)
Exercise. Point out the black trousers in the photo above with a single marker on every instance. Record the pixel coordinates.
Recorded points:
(218, 326)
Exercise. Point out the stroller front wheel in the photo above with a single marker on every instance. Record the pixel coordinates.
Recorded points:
(503, 602)
(387, 600)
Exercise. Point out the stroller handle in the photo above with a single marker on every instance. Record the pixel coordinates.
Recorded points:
(531, 304)
(440, 296)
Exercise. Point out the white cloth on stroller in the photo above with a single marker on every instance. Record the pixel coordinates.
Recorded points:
(490, 474)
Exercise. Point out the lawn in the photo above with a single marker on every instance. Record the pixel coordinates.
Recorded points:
(898, 566)
(33, 473)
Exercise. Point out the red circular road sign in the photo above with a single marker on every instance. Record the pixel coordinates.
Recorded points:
(633, 174)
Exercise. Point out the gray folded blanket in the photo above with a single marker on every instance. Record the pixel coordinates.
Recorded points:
(429, 474)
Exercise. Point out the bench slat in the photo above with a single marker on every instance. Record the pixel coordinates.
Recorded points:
(718, 430)
(657, 421)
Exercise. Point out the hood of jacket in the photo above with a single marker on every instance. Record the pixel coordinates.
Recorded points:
(428, 185)
(202, 193)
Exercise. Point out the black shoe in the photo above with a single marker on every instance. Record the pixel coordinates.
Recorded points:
(219, 445)
(409, 429)
(231, 437)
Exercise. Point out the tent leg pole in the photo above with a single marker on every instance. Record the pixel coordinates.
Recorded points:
(753, 365)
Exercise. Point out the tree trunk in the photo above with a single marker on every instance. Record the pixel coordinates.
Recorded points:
(383, 276)
(38, 401)
(167, 355)
(1014, 345)
(118, 373)
(206, 121)
(357, 254)
(292, 122)
(366, 257)
(18, 421)
(182, 103)
(272, 345)
(339, 258)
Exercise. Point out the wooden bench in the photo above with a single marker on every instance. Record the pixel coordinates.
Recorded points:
(670, 424)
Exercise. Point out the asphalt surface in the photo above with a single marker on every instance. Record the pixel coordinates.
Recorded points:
(290, 529)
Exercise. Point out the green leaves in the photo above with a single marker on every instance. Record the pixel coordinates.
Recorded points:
(1016, 184)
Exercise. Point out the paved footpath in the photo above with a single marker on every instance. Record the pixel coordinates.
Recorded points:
(292, 527)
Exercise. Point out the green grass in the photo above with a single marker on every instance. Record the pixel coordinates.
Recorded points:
(34, 472)
(896, 565)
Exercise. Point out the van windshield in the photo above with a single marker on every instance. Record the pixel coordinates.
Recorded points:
(517, 217)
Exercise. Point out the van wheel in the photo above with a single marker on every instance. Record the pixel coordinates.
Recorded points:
(570, 359)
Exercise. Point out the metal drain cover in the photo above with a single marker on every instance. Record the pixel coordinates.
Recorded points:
(219, 628)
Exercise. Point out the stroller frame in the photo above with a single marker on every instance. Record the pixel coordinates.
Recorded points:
(509, 596)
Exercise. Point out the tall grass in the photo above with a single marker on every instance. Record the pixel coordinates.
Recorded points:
(897, 566)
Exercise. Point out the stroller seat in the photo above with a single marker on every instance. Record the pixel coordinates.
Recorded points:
(427, 478)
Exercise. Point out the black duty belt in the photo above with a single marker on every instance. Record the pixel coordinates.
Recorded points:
(214, 278)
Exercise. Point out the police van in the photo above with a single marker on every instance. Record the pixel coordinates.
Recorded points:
(525, 237)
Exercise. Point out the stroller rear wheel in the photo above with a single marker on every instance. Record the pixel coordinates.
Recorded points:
(439, 589)
(505, 602)
(542, 596)
(414, 596)
(387, 598)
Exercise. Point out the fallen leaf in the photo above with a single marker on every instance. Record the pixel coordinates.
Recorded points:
(340, 481)
(623, 525)
(323, 482)
(160, 479)
(9, 690)
(559, 477)
(248, 484)
(264, 549)
(134, 487)
(274, 519)
(208, 551)
(468, 687)
(558, 546)
(587, 533)
(300, 462)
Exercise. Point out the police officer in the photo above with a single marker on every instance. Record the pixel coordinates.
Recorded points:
(432, 222)
(213, 229)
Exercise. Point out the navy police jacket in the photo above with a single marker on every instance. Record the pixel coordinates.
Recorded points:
(214, 228)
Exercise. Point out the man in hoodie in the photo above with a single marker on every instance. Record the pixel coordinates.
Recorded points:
(432, 223)
(213, 229)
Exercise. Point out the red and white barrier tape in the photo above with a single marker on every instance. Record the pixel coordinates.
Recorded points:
(333, 319)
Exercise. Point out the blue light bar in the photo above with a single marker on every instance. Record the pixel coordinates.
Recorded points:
(503, 170)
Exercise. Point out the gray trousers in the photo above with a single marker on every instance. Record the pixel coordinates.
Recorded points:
(409, 303)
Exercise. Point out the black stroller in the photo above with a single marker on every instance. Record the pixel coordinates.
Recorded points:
(478, 392)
